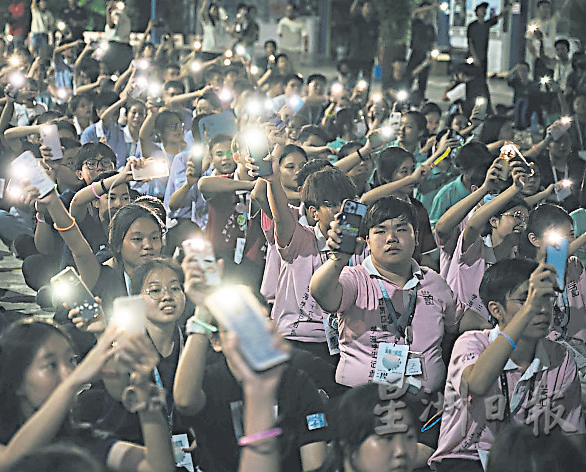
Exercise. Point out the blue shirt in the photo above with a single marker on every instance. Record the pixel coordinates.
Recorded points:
(446, 197)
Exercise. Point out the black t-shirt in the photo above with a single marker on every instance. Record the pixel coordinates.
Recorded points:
(219, 425)
(363, 39)
(478, 36)
(125, 425)
(422, 35)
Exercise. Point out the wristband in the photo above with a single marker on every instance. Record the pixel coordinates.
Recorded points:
(39, 219)
(196, 326)
(534, 148)
(360, 155)
(94, 191)
(256, 437)
(508, 338)
(104, 189)
(136, 399)
(333, 256)
(68, 227)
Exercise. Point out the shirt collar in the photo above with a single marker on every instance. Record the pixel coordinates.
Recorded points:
(322, 245)
(541, 361)
(411, 283)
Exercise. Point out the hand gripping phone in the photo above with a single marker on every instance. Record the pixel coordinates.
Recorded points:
(556, 254)
(69, 288)
(237, 310)
(50, 137)
(257, 145)
(203, 252)
(350, 223)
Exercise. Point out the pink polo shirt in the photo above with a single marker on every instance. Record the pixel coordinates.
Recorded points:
(466, 272)
(268, 287)
(363, 322)
(448, 246)
(466, 427)
(297, 314)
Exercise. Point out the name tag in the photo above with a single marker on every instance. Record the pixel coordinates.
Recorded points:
(391, 363)
(182, 458)
(316, 421)
(239, 252)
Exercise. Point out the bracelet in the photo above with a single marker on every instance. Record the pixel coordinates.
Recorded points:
(94, 190)
(39, 219)
(104, 189)
(68, 227)
(256, 437)
(360, 155)
(329, 115)
(508, 338)
(534, 148)
(333, 256)
(196, 326)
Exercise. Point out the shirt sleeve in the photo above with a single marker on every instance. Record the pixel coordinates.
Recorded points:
(466, 351)
(302, 244)
(349, 283)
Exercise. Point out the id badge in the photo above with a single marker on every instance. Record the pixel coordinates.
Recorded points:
(563, 193)
(391, 363)
(182, 459)
(239, 253)
(415, 365)
(331, 328)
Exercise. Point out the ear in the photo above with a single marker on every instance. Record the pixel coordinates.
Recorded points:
(416, 238)
(497, 310)
(534, 240)
(473, 188)
(79, 175)
(236, 157)
(313, 212)
(95, 204)
(493, 221)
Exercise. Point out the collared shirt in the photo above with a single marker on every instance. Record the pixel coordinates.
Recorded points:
(465, 428)
(364, 322)
(291, 33)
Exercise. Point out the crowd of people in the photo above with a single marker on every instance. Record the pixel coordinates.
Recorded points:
(288, 273)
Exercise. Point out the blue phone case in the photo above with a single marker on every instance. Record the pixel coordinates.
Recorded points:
(557, 256)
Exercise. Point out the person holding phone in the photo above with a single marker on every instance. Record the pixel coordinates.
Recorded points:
(384, 299)
(513, 363)
(39, 384)
(211, 393)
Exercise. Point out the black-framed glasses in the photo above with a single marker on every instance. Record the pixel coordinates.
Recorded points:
(157, 292)
(93, 164)
(518, 216)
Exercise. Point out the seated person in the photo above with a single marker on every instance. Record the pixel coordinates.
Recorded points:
(513, 364)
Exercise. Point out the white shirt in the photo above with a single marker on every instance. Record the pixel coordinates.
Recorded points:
(291, 33)
(41, 21)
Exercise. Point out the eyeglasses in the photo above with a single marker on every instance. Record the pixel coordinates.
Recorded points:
(93, 164)
(518, 216)
(175, 126)
(156, 292)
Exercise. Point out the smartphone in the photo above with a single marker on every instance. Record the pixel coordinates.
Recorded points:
(481, 107)
(154, 169)
(26, 166)
(561, 128)
(518, 157)
(277, 122)
(196, 158)
(237, 310)
(129, 314)
(257, 145)
(381, 136)
(350, 222)
(50, 137)
(556, 254)
(202, 250)
(68, 287)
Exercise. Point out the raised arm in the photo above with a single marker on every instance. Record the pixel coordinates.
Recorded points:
(478, 220)
(325, 286)
(389, 188)
(146, 132)
(483, 374)
(456, 213)
(179, 198)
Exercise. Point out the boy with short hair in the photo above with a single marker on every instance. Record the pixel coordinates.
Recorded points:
(302, 251)
(508, 373)
(389, 298)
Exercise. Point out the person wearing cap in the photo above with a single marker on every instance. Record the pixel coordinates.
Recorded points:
(478, 33)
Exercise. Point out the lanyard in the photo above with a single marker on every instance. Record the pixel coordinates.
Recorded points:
(159, 382)
(561, 312)
(555, 173)
(579, 129)
(243, 211)
(505, 390)
(400, 323)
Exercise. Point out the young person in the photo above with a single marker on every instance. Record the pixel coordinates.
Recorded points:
(512, 364)
(389, 298)
(302, 251)
(40, 380)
